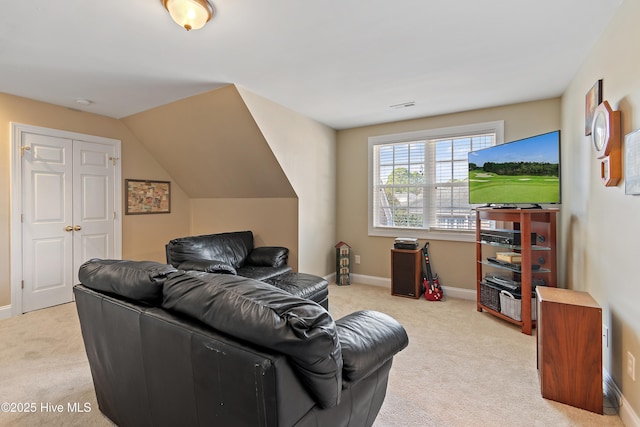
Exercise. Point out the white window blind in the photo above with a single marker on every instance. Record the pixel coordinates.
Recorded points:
(418, 180)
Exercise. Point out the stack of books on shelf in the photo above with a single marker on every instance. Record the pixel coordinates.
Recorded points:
(510, 257)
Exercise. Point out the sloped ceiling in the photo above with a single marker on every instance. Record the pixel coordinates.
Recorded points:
(212, 147)
(343, 63)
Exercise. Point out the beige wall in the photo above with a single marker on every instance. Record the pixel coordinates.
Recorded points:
(600, 225)
(229, 148)
(453, 261)
(144, 236)
(305, 150)
(213, 148)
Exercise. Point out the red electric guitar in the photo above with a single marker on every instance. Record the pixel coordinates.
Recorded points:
(431, 286)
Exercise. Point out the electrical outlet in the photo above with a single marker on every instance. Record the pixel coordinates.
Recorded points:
(631, 365)
(357, 259)
(605, 336)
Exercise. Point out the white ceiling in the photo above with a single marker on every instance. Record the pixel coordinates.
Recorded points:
(340, 62)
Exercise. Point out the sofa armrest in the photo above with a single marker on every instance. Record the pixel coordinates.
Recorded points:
(368, 340)
(268, 256)
(208, 266)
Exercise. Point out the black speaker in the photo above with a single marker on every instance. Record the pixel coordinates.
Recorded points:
(406, 272)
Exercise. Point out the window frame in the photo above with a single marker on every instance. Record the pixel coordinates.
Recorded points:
(496, 127)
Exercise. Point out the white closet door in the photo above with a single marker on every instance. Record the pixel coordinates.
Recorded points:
(68, 214)
(47, 212)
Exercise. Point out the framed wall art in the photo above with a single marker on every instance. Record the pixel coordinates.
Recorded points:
(632, 163)
(147, 197)
(594, 98)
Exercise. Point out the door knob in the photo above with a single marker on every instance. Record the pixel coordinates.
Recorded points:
(77, 228)
(68, 228)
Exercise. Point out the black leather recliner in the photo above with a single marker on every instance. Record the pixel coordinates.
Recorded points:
(234, 253)
(228, 253)
(168, 347)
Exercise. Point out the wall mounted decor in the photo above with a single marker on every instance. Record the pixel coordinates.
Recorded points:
(605, 135)
(632, 163)
(594, 98)
(147, 197)
(605, 129)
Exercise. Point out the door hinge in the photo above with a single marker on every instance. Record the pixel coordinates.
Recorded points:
(21, 217)
(21, 284)
(114, 215)
(114, 160)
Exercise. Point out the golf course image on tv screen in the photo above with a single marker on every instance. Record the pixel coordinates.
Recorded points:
(523, 171)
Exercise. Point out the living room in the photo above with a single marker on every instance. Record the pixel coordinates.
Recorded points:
(310, 212)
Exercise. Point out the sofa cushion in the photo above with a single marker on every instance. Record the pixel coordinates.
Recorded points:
(368, 339)
(231, 248)
(300, 284)
(262, 273)
(262, 314)
(208, 266)
(136, 280)
(268, 256)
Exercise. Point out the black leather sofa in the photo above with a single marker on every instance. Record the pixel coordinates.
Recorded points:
(168, 347)
(234, 253)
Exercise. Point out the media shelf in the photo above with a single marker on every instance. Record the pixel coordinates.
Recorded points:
(502, 267)
(541, 253)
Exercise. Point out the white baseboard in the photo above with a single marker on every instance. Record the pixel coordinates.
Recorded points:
(385, 282)
(611, 390)
(625, 411)
(371, 280)
(5, 312)
(627, 415)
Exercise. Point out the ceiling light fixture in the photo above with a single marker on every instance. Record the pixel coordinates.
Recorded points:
(83, 101)
(190, 14)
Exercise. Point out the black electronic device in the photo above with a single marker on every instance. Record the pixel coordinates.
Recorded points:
(504, 282)
(504, 237)
(409, 246)
(409, 243)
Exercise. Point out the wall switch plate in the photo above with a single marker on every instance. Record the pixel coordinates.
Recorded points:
(631, 365)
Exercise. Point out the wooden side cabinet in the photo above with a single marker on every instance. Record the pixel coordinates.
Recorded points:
(569, 345)
(406, 272)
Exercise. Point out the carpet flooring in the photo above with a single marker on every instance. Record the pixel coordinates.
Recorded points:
(462, 368)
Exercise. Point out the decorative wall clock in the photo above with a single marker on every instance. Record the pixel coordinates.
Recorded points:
(605, 135)
(605, 129)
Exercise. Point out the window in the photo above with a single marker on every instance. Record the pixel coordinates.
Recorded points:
(418, 180)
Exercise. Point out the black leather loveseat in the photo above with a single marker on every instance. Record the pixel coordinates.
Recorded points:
(168, 347)
(234, 253)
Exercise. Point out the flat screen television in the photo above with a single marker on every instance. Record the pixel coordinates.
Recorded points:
(526, 171)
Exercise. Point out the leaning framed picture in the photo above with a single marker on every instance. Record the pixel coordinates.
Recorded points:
(147, 197)
(632, 163)
(594, 98)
